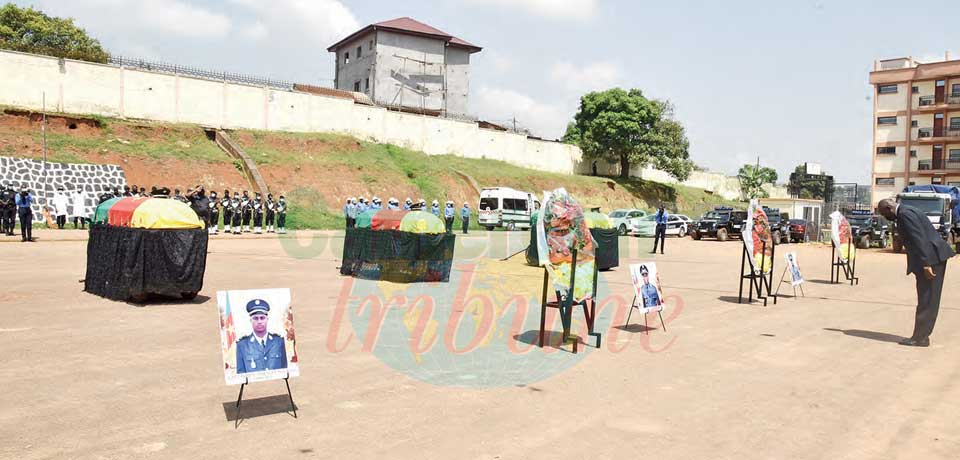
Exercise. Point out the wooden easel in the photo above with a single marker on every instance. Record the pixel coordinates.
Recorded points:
(757, 281)
(837, 264)
(565, 304)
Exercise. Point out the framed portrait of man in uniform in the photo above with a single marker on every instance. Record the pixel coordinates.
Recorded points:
(646, 286)
(257, 335)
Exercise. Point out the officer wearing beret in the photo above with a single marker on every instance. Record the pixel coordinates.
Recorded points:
(649, 292)
(260, 351)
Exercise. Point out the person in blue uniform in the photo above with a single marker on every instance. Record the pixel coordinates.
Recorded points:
(260, 351)
(661, 230)
(435, 208)
(408, 205)
(465, 216)
(651, 298)
(393, 204)
(362, 205)
(25, 202)
(376, 204)
(448, 213)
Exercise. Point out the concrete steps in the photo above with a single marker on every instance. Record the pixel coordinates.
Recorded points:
(249, 167)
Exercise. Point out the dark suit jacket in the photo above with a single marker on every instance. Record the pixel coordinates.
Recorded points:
(925, 247)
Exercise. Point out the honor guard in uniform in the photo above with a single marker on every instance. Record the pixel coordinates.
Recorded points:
(346, 213)
(421, 205)
(261, 350)
(246, 211)
(350, 212)
(282, 215)
(448, 213)
(435, 208)
(258, 214)
(235, 211)
(362, 205)
(271, 212)
(465, 216)
(130, 191)
(376, 204)
(393, 204)
(227, 211)
(8, 208)
(214, 205)
(177, 196)
(650, 296)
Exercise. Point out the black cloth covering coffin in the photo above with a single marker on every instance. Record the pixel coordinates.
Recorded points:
(125, 263)
(400, 257)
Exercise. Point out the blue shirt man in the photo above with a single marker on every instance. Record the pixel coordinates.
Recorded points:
(449, 212)
(660, 235)
(407, 205)
(465, 212)
(260, 351)
(25, 201)
(662, 216)
(346, 209)
(435, 209)
(651, 298)
(362, 206)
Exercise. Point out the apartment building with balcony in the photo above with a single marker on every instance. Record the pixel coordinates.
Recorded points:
(916, 124)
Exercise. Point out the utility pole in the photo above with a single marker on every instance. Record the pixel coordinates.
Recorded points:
(43, 128)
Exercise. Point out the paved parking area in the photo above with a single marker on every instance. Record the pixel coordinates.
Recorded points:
(818, 377)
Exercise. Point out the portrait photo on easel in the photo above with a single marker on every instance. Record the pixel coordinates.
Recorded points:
(648, 291)
(257, 335)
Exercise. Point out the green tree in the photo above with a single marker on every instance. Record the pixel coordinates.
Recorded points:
(627, 128)
(753, 178)
(31, 31)
(804, 186)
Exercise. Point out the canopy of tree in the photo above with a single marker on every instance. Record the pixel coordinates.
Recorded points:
(752, 179)
(625, 127)
(31, 31)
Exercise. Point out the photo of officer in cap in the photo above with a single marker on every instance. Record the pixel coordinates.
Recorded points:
(261, 350)
(651, 297)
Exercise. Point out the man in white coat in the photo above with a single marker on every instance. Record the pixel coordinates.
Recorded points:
(79, 202)
(60, 203)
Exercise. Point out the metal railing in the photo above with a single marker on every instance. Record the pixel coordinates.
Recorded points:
(176, 69)
(924, 165)
(924, 132)
(953, 164)
(926, 100)
(953, 99)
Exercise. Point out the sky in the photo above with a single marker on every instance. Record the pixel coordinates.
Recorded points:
(783, 81)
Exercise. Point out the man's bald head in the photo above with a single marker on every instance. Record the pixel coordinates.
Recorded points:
(887, 208)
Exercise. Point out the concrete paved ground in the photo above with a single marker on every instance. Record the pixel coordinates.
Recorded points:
(819, 377)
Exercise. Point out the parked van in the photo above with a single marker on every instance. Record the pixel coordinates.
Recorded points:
(506, 207)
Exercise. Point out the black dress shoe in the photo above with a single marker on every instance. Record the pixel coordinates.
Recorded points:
(912, 342)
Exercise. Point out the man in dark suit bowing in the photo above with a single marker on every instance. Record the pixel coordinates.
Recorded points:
(927, 255)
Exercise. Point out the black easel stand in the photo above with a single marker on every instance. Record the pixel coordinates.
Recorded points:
(837, 264)
(565, 304)
(758, 281)
(236, 422)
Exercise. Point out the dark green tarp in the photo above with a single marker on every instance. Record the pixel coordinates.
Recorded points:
(393, 255)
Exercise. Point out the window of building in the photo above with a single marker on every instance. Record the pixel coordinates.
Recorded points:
(366, 85)
(359, 51)
(915, 89)
(954, 155)
(346, 57)
(887, 89)
(912, 183)
(941, 83)
(371, 45)
(937, 180)
(955, 89)
(356, 86)
(913, 153)
(886, 181)
(886, 120)
(914, 123)
(886, 150)
(954, 122)
(953, 184)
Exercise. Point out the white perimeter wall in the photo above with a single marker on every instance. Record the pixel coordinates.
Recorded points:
(85, 88)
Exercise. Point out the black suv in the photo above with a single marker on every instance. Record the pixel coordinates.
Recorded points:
(777, 231)
(721, 223)
(868, 229)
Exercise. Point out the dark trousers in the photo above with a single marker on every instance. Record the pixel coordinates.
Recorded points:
(61, 221)
(227, 217)
(79, 222)
(351, 222)
(928, 301)
(9, 216)
(270, 215)
(214, 219)
(660, 237)
(245, 215)
(449, 222)
(258, 219)
(26, 223)
(466, 224)
(281, 220)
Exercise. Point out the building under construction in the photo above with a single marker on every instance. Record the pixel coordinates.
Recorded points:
(406, 65)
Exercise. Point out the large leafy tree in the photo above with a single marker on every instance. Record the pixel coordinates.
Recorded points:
(625, 127)
(752, 179)
(31, 31)
(804, 186)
